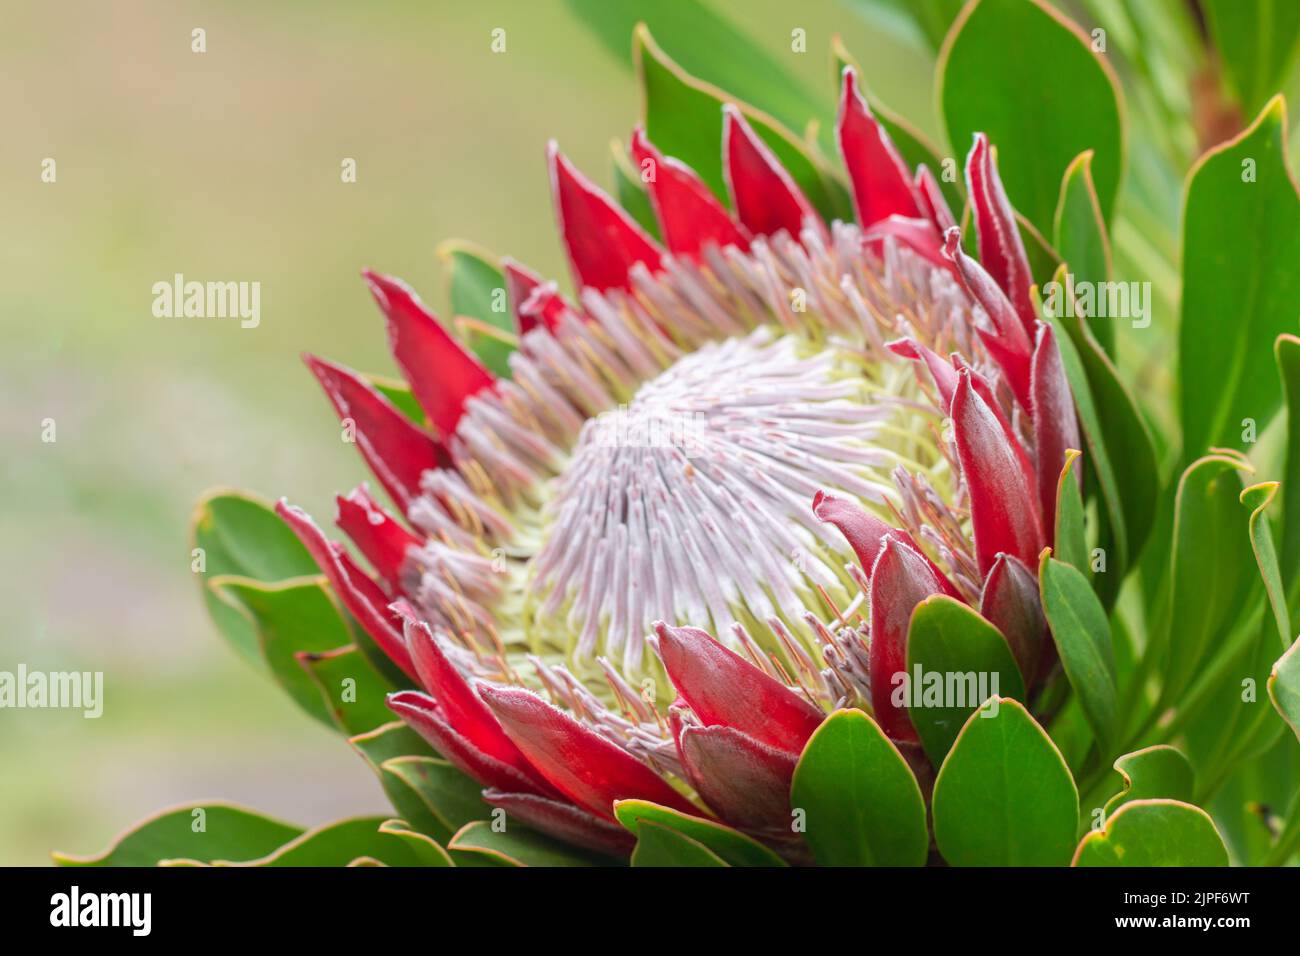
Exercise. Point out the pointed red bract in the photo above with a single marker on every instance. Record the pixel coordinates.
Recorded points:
(461, 705)
(882, 183)
(1055, 427)
(1011, 602)
(422, 714)
(443, 374)
(723, 688)
(1002, 252)
(743, 780)
(584, 766)
(984, 390)
(397, 451)
(690, 216)
(362, 597)
(866, 534)
(900, 580)
(377, 534)
(1010, 347)
(564, 821)
(942, 373)
(765, 197)
(1003, 504)
(934, 205)
(603, 242)
(533, 301)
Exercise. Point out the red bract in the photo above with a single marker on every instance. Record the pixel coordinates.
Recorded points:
(588, 769)
(1002, 251)
(882, 184)
(689, 214)
(359, 593)
(602, 240)
(396, 450)
(378, 535)
(1003, 506)
(724, 689)
(532, 300)
(442, 373)
(765, 197)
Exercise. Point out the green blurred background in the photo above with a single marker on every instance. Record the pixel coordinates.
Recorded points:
(226, 166)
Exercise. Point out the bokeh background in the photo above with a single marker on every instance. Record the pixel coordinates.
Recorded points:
(226, 166)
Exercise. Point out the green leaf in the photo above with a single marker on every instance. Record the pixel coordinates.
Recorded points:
(338, 844)
(1241, 241)
(1101, 472)
(354, 694)
(238, 533)
(517, 846)
(1071, 536)
(711, 47)
(683, 118)
(426, 849)
(387, 750)
(1287, 351)
(453, 798)
(731, 846)
(194, 831)
(1257, 44)
(400, 394)
(1212, 566)
(1004, 796)
(478, 294)
(971, 659)
(1079, 234)
(1154, 833)
(1153, 772)
(930, 20)
(630, 191)
(1083, 640)
(861, 802)
(1027, 77)
(1284, 687)
(1121, 458)
(298, 614)
(1257, 498)
(661, 846)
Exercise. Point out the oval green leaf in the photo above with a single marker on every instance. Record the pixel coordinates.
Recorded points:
(1154, 833)
(1153, 772)
(195, 831)
(1241, 242)
(732, 846)
(234, 532)
(1079, 235)
(1082, 636)
(664, 847)
(1028, 78)
(860, 800)
(1004, 796)
(956, 660)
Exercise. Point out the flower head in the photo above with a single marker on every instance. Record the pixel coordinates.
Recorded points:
(699, 513)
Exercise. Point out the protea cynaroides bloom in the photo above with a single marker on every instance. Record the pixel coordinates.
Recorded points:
(863, 416)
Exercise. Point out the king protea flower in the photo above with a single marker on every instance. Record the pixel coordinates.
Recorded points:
(863, 417)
